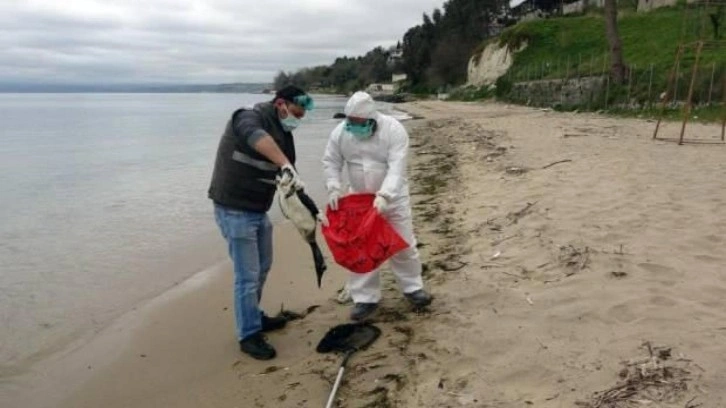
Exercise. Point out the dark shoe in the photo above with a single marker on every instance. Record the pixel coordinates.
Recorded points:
(419, 298)
(273, 323)
(362, 310)
(257, 347)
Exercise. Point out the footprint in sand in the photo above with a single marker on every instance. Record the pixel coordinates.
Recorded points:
(622, 313)
(660, 270)
(663, 301)
(714, 238)
(708, 258)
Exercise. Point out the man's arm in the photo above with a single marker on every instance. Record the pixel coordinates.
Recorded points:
(250, 131)
(267, 147)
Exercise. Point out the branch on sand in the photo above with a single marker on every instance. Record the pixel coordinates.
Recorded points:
(652, 380)
(515, 216)
(556, 163)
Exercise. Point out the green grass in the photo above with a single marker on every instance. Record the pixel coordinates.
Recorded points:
(575, 46)
(569, 46)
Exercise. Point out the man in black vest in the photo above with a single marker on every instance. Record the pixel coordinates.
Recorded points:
(256, 145)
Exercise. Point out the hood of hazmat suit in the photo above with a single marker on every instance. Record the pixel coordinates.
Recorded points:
(375, 165)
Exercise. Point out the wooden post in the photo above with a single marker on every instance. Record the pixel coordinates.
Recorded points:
(723, 124)
(630, 84)
(592, 63)
(567, 75)
(689, 102)
(710, 89)
(668, 89)
(650, 87)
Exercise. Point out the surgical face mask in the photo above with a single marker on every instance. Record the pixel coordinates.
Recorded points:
(361, 130)
(290, 122)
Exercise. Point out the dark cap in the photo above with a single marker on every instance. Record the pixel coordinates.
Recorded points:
(293, 94)
(289, 93)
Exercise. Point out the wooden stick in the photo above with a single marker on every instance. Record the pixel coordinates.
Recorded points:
(671, 77)
(689, 102)
(555, 163)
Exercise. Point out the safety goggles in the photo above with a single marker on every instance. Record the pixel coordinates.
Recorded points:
(305, 102)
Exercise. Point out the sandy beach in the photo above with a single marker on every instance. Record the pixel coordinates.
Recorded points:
(573, 260)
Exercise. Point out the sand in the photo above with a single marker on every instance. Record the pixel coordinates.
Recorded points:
(569, 255)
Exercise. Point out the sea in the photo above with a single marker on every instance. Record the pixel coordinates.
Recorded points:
(103, 205)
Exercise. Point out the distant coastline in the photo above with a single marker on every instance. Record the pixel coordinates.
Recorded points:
(256, 88)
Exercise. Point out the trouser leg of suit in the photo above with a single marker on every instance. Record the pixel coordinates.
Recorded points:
(406, 264)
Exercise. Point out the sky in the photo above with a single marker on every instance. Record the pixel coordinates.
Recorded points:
(190, 41)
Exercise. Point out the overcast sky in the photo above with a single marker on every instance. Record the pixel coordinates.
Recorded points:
(190, 41)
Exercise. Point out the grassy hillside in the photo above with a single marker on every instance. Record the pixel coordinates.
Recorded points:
(572, 45)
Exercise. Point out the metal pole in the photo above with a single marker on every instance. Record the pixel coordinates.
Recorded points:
(338, 379)
(689, 102)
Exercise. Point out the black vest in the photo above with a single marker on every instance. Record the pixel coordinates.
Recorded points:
(238, 167)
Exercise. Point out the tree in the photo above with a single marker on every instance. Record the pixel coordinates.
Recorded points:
(716, 22)
(281, 80)
(617, 64)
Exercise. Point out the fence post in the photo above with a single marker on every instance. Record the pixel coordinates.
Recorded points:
(579, 65)
(710, 89)
(650, 87)
(557, 69)
(630, 83)
(675, 88)
(567, 74)
(592, 63)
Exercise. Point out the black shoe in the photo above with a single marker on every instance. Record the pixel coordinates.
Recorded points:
(272, 323)
(419, 298)
(362, 310)
(257, 347)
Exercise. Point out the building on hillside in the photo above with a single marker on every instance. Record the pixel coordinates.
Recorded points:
(648, 5)
(382, 89)
(580, 6)
(395, 55)
(524, 10)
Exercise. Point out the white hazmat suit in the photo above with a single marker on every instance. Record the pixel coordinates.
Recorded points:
(376, 165)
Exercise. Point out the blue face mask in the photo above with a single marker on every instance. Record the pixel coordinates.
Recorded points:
(290, 122)
(360, 131)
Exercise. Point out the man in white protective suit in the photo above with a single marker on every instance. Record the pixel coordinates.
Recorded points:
(374, 148)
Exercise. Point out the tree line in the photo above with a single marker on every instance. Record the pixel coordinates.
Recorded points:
(432, 54)
(435, 53)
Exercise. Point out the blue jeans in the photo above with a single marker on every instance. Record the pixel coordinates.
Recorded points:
(249, 237)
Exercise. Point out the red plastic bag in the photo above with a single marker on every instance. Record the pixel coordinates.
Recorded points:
(359, 238)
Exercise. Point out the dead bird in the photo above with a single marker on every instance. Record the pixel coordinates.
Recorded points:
(299, 208)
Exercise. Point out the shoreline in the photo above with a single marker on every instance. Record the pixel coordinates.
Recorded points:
(60, 374)
(556, 246)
